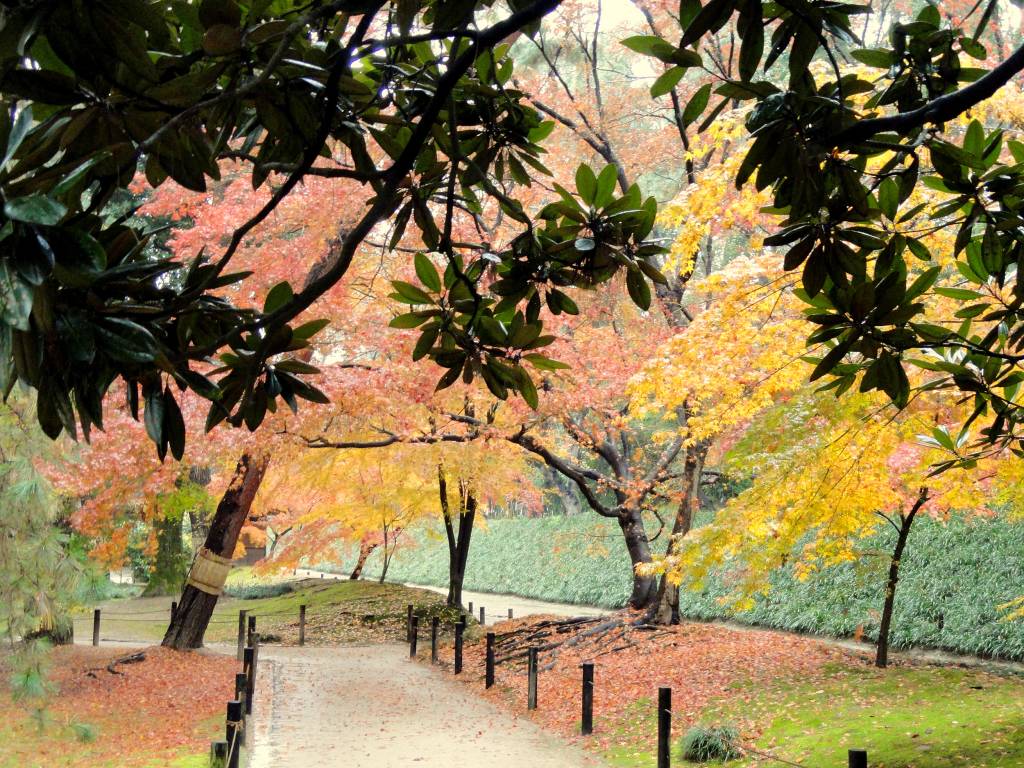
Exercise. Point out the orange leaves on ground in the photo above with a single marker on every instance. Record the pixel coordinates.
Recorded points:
(157, 708)
(700, 662)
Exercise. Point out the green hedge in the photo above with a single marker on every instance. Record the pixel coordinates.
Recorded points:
(953, 578)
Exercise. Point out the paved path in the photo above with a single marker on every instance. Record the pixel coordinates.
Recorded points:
(496, 606)
(371, 707)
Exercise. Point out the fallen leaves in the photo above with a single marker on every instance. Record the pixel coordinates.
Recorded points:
(159, 707)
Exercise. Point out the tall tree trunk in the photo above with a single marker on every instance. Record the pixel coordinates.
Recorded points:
(188, 625)
(666, 610)
(366, 548)
(645, 588)
(903, 533)
(458, 540)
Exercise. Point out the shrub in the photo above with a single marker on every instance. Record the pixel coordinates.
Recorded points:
(243, 584)
(704, 744)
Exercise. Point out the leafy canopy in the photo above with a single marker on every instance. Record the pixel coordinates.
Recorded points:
(409, 100)
(845, 156)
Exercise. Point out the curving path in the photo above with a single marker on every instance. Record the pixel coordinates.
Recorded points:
(371, 707)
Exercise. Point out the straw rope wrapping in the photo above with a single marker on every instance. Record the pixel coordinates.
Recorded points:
(209, 572)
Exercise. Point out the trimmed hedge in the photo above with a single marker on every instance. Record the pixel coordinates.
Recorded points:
(953, 578)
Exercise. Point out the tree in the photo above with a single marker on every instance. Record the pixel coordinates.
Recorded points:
(36, 575)
(845, 153)
(410, 104)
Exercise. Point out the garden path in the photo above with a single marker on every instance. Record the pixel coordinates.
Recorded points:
(371, 707)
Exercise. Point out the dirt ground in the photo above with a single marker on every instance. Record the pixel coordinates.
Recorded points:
(371, 707)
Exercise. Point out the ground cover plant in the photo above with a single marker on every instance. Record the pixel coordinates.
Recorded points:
(573, 559)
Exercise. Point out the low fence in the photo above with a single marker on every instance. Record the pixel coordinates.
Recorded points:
(226, 753)
(856, 758)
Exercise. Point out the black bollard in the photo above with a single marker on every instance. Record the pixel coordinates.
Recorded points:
(489, 662)
(587, 721)
(414, 636)
(302, 625)
(252, 630)
(531, 678)
(249, 669)
(510, 613)
(233, 733)
(858, 758)
(664, 726)
(482, 620)
(434, 622)
(218, 754)
(241, 633)
(408, 623)
(460, 627)
(96, 627)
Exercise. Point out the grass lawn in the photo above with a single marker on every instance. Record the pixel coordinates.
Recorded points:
(906, 717)
(336, 612)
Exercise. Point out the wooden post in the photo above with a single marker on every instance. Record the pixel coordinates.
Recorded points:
(510, 613)
(858, 758)
(241, 633)
(433, 639)
(408, 623)
(587, 721)
(414, 636)
(489, 662)
(459, 629)
(482, 615)
(233, 732)
(96, 627)
(531, 678)
(470, 611)
(664, 726)
(252, 630)
(302, 625)
(249, 668)
(218, 754)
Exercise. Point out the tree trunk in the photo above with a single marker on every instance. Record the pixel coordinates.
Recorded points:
(458, 541)
(903, 533)
(195, 606)
(645, 588)
(365, 550)
(665, 610)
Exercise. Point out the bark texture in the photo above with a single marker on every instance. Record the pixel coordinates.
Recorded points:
(195, 607)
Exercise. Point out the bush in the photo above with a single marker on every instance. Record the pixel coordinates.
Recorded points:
(706, 744)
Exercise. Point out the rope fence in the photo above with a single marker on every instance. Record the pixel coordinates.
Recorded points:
(225, 753)
(856, 758)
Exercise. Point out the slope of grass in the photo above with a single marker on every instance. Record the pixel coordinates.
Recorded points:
(905, 717)
(336, 612)
(954, 577)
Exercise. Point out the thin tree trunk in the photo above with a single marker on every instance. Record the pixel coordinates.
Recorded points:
(365, 550)
(195, 606)
(458, 541)
(903, 533)
(666, 610)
